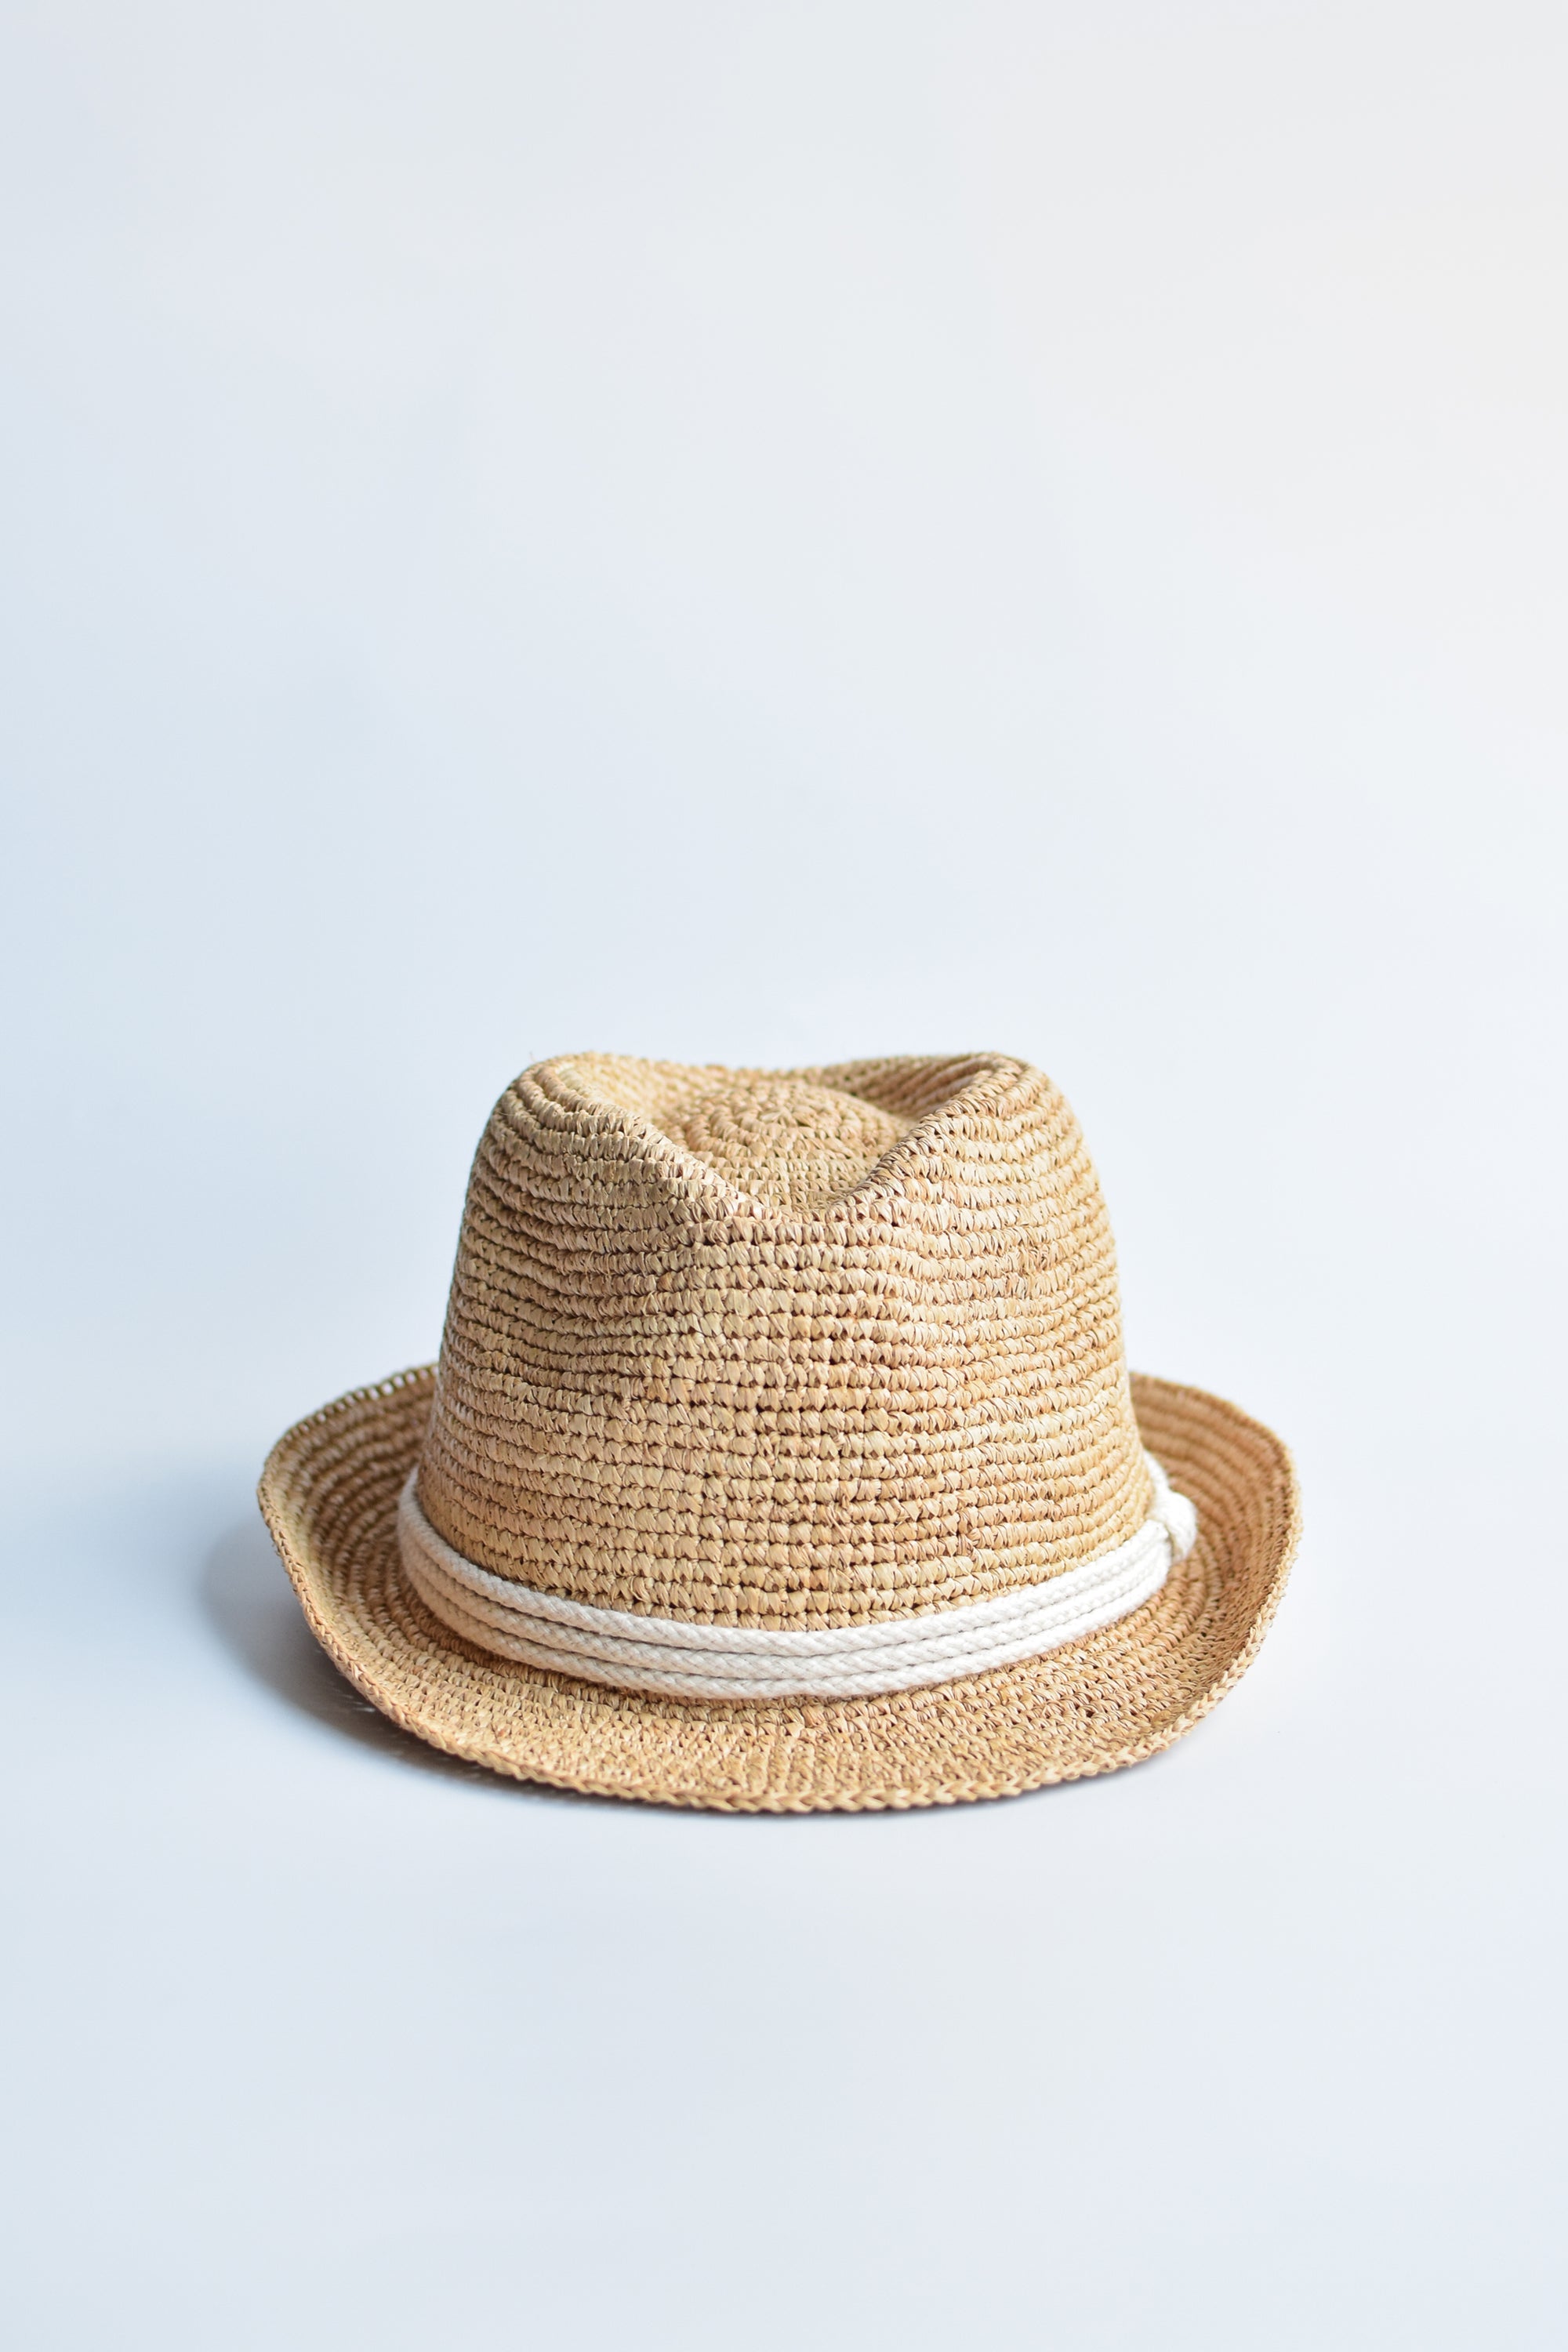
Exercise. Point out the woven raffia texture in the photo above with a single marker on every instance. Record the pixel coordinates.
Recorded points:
(330, 1491)
(786, 1350)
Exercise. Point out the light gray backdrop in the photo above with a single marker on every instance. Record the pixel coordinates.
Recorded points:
(776, 532)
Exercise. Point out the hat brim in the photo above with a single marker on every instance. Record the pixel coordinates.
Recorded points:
(329, 1493)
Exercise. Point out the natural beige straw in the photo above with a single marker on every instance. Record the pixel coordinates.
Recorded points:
(783, 1453)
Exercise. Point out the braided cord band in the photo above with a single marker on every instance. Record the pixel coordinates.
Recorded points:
(686, 1661)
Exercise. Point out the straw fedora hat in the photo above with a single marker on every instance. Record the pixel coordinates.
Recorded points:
(782, 1456)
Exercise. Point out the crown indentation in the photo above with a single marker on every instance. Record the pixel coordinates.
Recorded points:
(791, 1145)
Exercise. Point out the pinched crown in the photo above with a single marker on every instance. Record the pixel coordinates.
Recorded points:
(790, 1349)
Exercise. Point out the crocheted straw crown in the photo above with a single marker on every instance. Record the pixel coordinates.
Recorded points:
(792, 1350)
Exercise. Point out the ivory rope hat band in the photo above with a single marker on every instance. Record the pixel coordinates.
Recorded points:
(783, 1455)
(661, 1654)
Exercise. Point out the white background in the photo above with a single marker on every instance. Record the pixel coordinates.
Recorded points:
(760, 532)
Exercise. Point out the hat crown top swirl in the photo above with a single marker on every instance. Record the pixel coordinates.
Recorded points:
(789, 1350)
